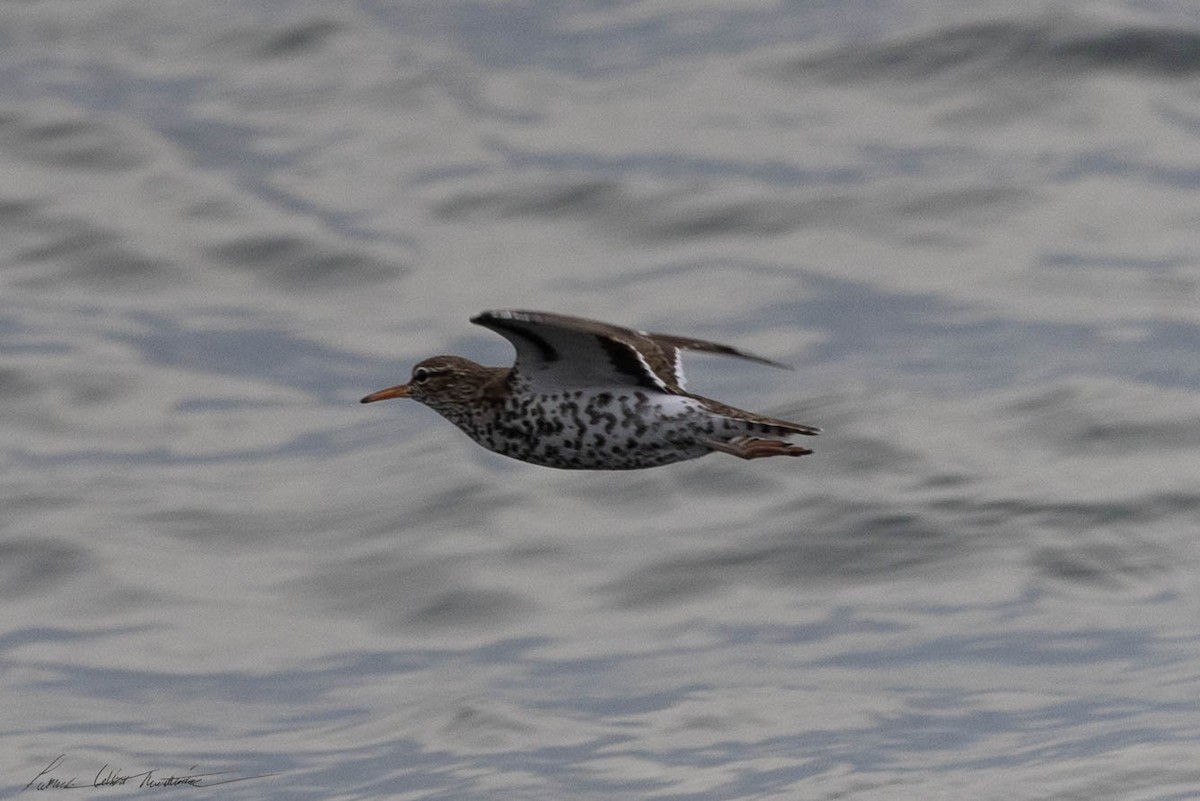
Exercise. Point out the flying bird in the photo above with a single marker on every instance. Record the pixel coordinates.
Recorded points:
(586, 395)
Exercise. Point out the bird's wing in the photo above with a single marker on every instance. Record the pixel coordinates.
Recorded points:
(555, 350)
(671, 346)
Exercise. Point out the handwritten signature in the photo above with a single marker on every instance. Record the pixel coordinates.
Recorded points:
(112, 777)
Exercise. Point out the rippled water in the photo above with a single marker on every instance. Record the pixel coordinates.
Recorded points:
(972, 230)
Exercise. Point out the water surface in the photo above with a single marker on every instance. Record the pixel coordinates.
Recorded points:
(972, 231)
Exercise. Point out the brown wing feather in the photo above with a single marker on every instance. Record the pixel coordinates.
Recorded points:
(543, 338)
(671, 346)
(557, 350)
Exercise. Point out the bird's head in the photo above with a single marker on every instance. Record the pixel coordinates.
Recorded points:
(446, 384)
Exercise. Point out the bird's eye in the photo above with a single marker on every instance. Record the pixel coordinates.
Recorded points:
(420, 375)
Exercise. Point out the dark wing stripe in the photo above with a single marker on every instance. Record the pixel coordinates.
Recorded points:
(545, 349)
(624, 360)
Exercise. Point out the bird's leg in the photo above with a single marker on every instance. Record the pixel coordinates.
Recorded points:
(754, 448)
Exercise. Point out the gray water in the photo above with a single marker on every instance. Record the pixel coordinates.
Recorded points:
(972, 228)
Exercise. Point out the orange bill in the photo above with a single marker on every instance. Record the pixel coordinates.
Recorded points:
(400, 391)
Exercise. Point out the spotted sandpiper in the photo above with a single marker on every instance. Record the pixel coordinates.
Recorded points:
(587, 395)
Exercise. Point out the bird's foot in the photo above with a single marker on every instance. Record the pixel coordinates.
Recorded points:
(754, 447)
